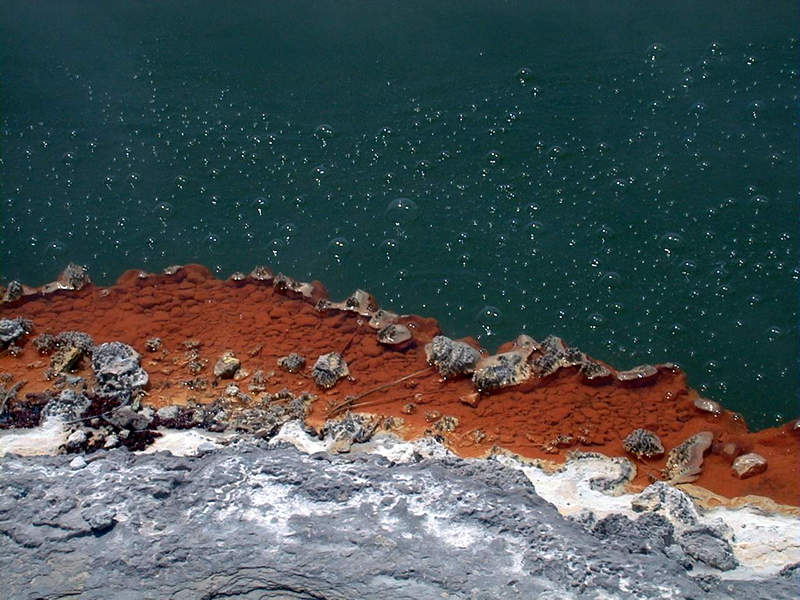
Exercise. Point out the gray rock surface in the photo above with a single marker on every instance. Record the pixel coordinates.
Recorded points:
(117, 369)
(253, 522)
(450, 357)
(13, 329)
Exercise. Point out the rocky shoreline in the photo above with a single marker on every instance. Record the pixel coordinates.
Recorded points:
(587, 451)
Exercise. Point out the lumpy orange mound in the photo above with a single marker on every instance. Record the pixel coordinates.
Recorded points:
(540, 418)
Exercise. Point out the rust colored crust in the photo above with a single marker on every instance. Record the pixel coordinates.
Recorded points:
(538, 419)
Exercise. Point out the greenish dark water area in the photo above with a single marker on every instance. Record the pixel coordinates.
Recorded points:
(625, 176)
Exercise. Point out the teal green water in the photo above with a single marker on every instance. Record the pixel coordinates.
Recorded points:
(623, 176)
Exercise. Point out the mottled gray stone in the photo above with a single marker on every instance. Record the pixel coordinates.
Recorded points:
(117, 369)
(251, 522)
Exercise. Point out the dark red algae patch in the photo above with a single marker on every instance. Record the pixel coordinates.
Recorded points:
(198, 317)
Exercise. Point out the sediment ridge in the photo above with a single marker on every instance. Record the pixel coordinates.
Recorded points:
(255, 350)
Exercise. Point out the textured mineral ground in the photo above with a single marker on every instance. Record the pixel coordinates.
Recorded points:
(332, 450)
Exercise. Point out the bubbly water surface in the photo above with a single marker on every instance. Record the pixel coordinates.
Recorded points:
(625, 177)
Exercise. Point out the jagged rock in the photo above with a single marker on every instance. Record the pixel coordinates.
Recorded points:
(500, 370)
(13, 292)
(350, 429)
(507, 368)
(593, 372)
(749, 465)
(13, 329)
(100, 519)
(227, 366)
(669, 501)
(76, 439)
(684, 462)
(638, 376)
(117, 370)
(169, 413)
(705, 545)
(329, 369)
(45, 343)
(381, 318)
(77, 463)
(293, 363)
(261, 273)
(65, 360)
(125, 417)
(78, 339)
(648, 534)
(74, 277)
(553, 345)
(395, 335)
(451, 358)
(709, 406)
(284, 284)
(153, 344)
(643, 443)
(69, 405)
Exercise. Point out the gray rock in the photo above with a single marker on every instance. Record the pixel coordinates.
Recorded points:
(69, 405)
(451, 358)
(705, 545)
(226, 366)
(74, 277)
(100, 518)
(169, 413)
(125, 417)
(13, 292)
(117, 370)
(76, 439)
(293, 363)
(77, 463)
(77, 339)
(501, 370)
(13, 329)
(350, 429)
(329, 369)
(254, 522)
(749, 465)
(643, 443)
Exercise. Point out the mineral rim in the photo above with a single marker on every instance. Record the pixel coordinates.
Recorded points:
(198, 318)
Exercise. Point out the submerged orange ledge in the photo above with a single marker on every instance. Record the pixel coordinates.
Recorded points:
(261, 321)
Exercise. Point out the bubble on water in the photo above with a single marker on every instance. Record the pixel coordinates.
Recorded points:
(688, 267)
(671, 242)
(759, 201)
(595, 320)
(163, 210)
(535, 230)
(324, 133)
(715, 49)
(755, 108)
(389, 247)
(610, 279)
(754, 300)
(489, 318)
(773, 333)
(654, 53)
(493, 157)
(401, 211)
(339, 248)
(260, 205)
(524, 75)
(56, 248)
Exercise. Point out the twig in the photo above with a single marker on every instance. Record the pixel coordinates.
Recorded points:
(350, 400)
